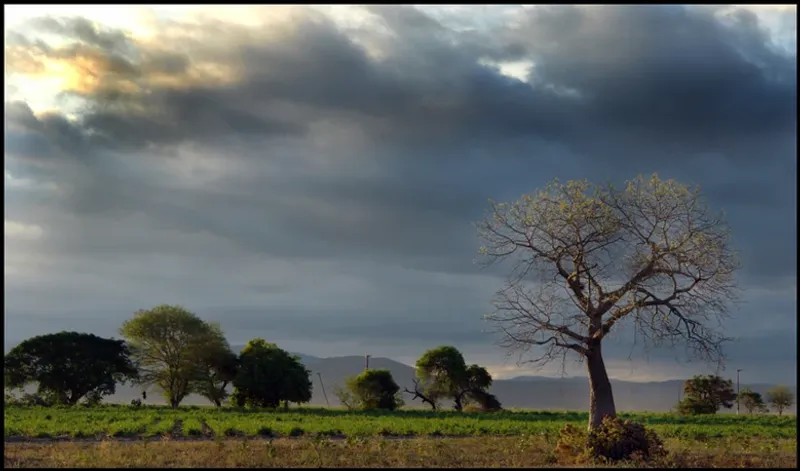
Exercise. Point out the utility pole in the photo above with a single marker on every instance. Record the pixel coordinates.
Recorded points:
(323, 388)
(737, 390)
(366, 362)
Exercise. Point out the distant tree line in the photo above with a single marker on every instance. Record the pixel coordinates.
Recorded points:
(708, 394)
(174, 350)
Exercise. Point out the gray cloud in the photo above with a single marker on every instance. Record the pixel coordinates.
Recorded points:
(258, 168)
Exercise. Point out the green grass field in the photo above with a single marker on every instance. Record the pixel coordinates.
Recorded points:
(125, 421)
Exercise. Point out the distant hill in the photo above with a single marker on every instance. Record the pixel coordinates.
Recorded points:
(528, 392)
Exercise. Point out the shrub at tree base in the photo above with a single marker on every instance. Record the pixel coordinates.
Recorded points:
(613, 440)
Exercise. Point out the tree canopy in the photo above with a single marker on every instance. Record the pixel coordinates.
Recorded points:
(443, 373)
(584, 258)
(374, 389)
(169, 344)
(706, 395)
(751, 401)
(68, 366)
(217, 368)
(780, 398)
(268, 375)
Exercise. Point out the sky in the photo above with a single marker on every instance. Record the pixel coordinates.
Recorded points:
(311, 175)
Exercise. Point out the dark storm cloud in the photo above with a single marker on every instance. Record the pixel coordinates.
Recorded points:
(644, 75)
(384, 144)
(675, 74)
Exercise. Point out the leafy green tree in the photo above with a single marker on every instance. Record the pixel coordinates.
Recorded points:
(443, 373)
(169, 344)
(706, 395)
(68, 366)
(375, 389)
(751, 401)
(268, 375)
(585, 257)
(694, 406)
(218, 366)
(780, 398)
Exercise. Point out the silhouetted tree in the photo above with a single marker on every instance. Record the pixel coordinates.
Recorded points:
(586, 257)
(218, 366)
(268, 375)
(68, 366)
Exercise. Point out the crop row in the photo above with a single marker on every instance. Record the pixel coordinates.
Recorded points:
(152, 422)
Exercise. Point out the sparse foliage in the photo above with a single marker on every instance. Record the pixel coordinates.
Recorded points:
(375, 389)
(751, 401)
(617, 440)
(706, 395)
(68, 366)
(168, 343)
(586, 257)
(346, 397)
(419, 392)
(780, 398)
(268, 375)
(444, 374)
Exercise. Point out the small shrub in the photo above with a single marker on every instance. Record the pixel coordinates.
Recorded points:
(296, 432)
(571, 445)
(93, 399)
(614, 440)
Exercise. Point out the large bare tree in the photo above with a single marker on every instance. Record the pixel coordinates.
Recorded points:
(583, 258)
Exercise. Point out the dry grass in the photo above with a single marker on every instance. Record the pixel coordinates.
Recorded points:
(531, 451)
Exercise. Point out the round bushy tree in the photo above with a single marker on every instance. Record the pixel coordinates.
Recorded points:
(68, 366)
(169, 344)
(268, 375)
(375, 389)
(442, 372)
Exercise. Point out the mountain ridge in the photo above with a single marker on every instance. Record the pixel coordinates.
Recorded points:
(527, 391)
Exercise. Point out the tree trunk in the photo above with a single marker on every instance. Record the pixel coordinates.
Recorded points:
(458, 406)
(601, 398)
